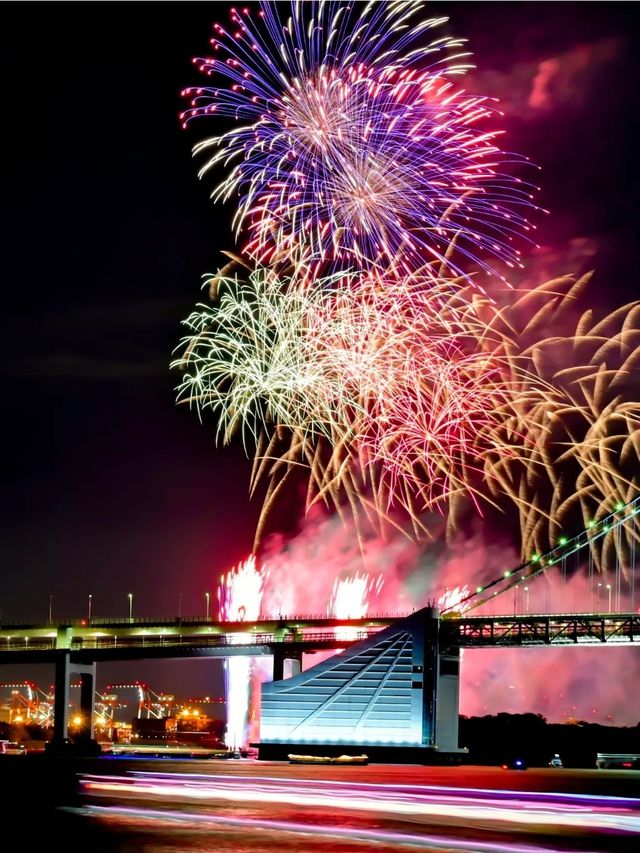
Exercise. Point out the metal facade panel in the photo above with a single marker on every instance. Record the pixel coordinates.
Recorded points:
(371, 693)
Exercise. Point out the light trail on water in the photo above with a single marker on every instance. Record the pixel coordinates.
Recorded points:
(515, 811)
(166, 819)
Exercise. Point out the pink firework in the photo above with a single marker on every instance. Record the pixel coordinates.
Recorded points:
(353, 147)
(452, 598)
(398, 386)
(240, 592)
(350, 600)
(240, 598)
(416, 387)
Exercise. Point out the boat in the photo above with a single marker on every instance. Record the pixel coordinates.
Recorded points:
(326, 759)
(163, 750)
(351, 759)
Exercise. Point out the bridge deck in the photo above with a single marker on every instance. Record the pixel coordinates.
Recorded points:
(124, 639)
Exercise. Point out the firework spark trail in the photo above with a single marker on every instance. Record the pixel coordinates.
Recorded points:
(350, 600)
(582, 457)
(239, 597)
(353, 147)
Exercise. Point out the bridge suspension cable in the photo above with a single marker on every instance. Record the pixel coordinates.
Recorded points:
(539, 563)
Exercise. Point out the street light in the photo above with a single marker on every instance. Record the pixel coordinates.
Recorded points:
(206, 596)
(130, 597)
(89, 608)
(598, 596)
(50, 608)
(609, 591)
(526, 589)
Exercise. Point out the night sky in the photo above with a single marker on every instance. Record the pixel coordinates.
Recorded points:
(108, 487)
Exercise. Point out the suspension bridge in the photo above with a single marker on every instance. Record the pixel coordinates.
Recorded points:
(395, 684)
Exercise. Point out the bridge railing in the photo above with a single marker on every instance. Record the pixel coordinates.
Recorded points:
(167, 640)
(105, 622)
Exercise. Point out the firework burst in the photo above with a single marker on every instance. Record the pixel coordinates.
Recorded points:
(250, 359)
(240, 592)
(350, 600)
(357, 349)
(392, 391)
(353, 147)
(454, 599)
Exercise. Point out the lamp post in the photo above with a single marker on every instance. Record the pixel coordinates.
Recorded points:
(609, 591)
(599, 587)
(50, 608)
(130, 597)
(206, 597)
(89, 608)
(526, 589)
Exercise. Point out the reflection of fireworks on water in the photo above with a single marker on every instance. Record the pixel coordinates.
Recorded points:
(350, 600)
(353, 146)
(240, 597)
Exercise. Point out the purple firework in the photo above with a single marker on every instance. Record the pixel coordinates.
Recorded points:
(352, 146)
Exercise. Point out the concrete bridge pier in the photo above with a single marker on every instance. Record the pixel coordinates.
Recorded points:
(65, 667)
(286, 663)
(87, 674)
(61, 700)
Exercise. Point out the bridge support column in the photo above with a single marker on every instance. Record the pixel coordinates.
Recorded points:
(87, 674)
(61, 701)
(286, 663)
(448, 700)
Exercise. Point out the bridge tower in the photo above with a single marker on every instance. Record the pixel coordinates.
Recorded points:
(65, 666)
(393, 696)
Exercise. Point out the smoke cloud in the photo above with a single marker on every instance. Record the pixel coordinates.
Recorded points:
(562, 683)
(566, 80)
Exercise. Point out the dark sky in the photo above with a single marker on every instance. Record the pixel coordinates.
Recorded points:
(108, 488)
